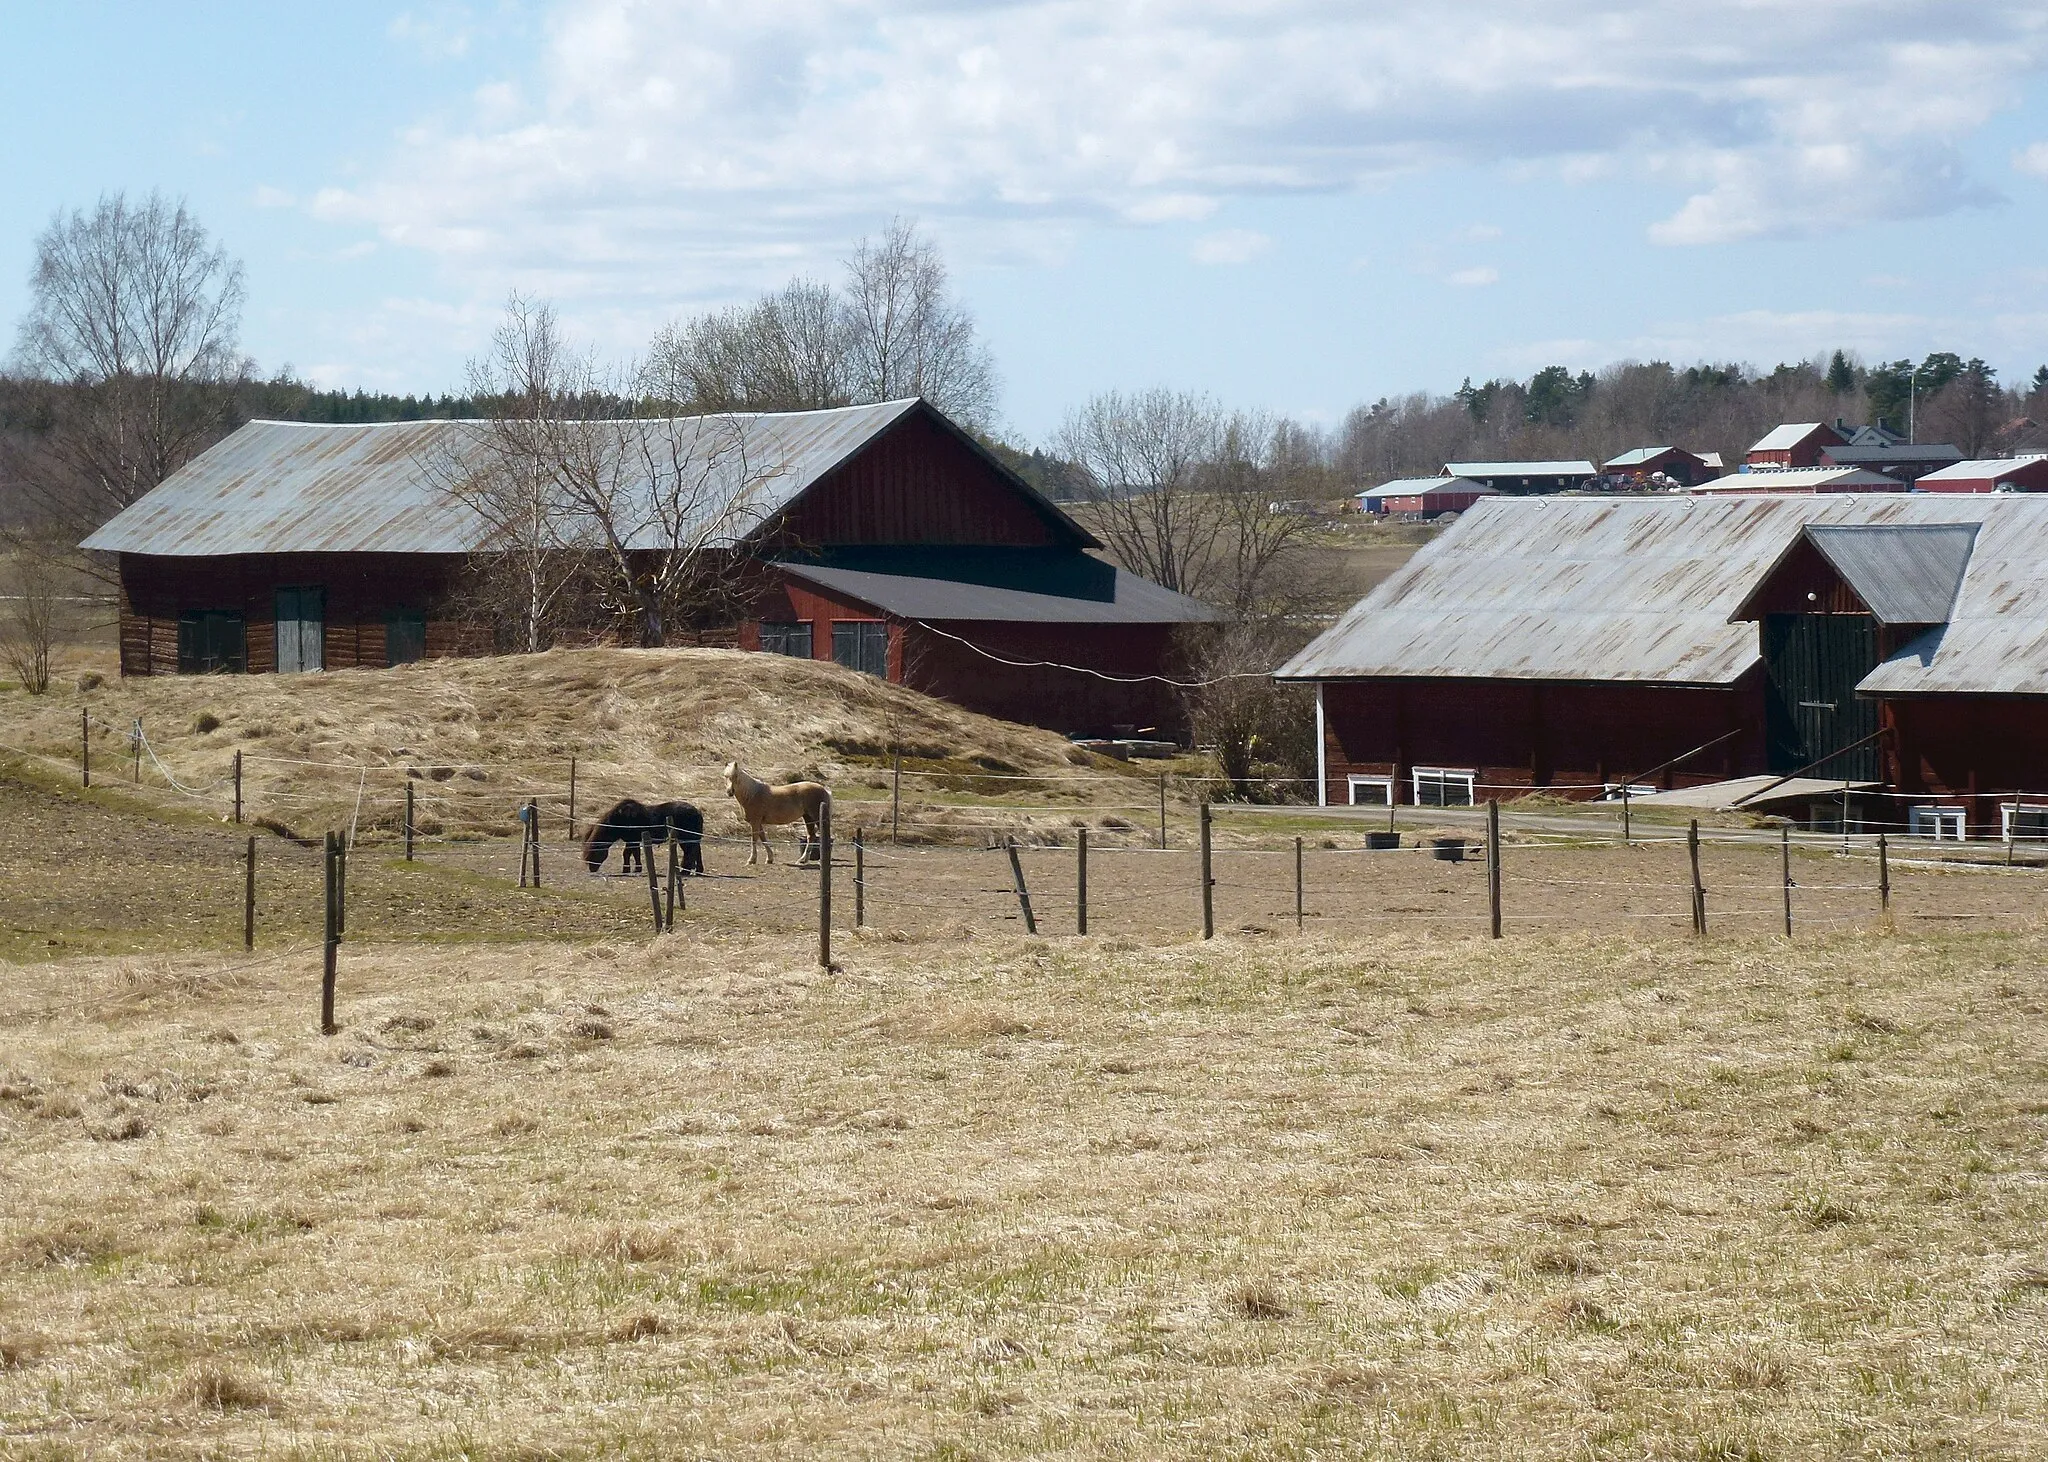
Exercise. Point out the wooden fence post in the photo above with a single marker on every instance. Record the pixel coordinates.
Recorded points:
(331, 945)
(135, 746)
(1699, 892)
(238, 787)
(1298, 891)
(340, 884)
(896, 799)
(825, 885)
(1017, 882)
(674, 884)
(1493, 864)
(1081, 881)
(1208, 883)
(84, 747)
(533, 826)
(572, 799)
(1785, 867)
(1627, 832)
(2012, 827)
(249, 899)
(860, 876)
(409, 823)
(1884, 876)
(1162, 809)
(653, 887)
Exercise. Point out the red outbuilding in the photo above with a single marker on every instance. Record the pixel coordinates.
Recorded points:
(1999, 474)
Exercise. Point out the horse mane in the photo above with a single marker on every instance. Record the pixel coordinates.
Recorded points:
(621, 820)
(744, 783)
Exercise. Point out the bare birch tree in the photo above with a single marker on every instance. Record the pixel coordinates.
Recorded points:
(133, 317)
(905, 333)
(785, 352)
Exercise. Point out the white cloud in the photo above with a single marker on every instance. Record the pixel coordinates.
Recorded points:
(1230, 246)
(2032, 161)
(690, 148)
(1474, 278)
(266, 196)
(438, 33)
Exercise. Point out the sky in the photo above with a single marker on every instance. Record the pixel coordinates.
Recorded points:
(1292, 205)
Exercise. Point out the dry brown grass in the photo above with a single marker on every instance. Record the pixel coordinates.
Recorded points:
(1409, 1198)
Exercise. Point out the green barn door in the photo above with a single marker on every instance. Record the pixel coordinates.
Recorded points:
(1812, 662)
(301, 629)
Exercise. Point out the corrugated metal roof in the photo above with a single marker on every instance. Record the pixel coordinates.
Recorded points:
(1907, 574)
(296, 487)
(1900, 453)
(1424, 487)
(1591, 589)
(1637, 457)
(1802, 479)
(1784, 438)
(1132, 600)
(1520, 469)
(1981, 469)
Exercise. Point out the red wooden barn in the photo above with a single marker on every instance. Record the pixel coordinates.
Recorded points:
(1998, 474)
(1899, 642)
(884, 537)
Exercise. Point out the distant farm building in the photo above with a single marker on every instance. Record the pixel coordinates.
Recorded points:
(882, 537)
(1895, 642)
(1423, 497)
(1803, 480)
(1812, 444)
(1673, 464)
(2002, 474)
(1795, 444)
(1524, 479)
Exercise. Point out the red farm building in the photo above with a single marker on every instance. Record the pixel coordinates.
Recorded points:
(1673, 465)
(1795, 444)
(1895, 642)
(1999, 474)
(883, 537)
(1422, 497)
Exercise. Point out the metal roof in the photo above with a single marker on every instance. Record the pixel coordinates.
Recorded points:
(1641, 590)
(1893, 452)
(1906, 574)
(298, 487)
(1983, 469)
(1641, 455)
(1802, 479)
(1521, 469)
(1129, 600)
(1425, 486)
(1784, 438)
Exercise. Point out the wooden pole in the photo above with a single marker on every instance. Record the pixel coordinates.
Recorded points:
(1845, 814)
(1884, 875)
(526, 843)
(2012, 827)
(1627, 832)
(653, 887)
(1785, 867)
(1493, 864)
(409, 824)
(1298, 889)
(1017, 882)
(860, 876)
(825, 885)
(331, 945)
(84, 747)
(533, 834)
(1162, 809)
(572, 799)
(135, 746)
(249, 899)
(238, 788)
(1208, 883)
(669, 918)
(340, 884)
(896, 799)
(1081, 881)
(1699, 892)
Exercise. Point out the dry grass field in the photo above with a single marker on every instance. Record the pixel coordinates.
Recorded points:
(1265, 1198)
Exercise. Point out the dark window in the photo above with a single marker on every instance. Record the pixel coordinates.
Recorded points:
(862, 645)
(786, 637)
(405, 637)
(212, 642)
(301, 624)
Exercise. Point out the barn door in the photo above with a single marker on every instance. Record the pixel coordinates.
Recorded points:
(1812, 663)
(301, 628)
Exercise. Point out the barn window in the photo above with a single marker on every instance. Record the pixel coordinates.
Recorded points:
(2023, 822)
(1940, 823)
(405, 637)
(1371, 791)
(1440, 787)
(212, 642)
(786, 637)
(863, 645)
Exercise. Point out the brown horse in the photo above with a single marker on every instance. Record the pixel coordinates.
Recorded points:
(764, 807)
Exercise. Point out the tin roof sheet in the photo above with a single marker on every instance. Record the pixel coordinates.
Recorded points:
(1424, 487)
(298, 487)
(1520, 469)
(1906, 573)
(1641, 590)
(1981, 469)
(1640, 455)
(1802, 479)
(1895, 453)
(1784, 438)
(1129, 600)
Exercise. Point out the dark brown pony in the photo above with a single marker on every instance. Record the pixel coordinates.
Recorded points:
(634, 823)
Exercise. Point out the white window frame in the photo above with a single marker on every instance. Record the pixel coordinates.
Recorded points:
(1353, 783)
(1944, 817)
(1446, 776)
(1611, 791)
(2036, 809)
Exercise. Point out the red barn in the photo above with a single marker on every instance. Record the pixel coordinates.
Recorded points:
(1581, 645)
(1795, 444)
(885, 537)
(1998, 474)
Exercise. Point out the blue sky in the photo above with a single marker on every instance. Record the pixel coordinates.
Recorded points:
(1293, 204)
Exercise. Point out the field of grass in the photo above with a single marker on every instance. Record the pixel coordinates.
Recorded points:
(1410, 1197)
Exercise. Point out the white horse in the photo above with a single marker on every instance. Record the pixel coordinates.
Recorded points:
(764, 807)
